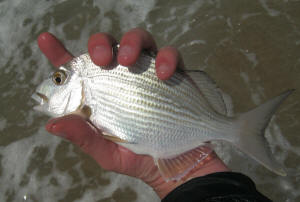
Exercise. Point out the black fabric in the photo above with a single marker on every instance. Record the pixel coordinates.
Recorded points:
(217, 187)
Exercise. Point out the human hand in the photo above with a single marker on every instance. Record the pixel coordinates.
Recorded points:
(109, 155)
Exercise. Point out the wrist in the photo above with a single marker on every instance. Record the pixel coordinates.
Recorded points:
(211, 164)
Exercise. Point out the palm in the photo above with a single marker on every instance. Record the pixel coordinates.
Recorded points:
(109, 155)
(129, 163)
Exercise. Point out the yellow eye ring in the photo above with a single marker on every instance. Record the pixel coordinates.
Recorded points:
(59, 77)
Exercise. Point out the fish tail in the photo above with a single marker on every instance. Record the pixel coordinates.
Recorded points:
(250, 132)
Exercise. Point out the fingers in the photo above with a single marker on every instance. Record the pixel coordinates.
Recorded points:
(53, 49)
(81, 133)
(167, 59)
(100, 48)
(132, 43)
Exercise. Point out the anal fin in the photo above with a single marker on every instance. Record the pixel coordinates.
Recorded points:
(178, 167)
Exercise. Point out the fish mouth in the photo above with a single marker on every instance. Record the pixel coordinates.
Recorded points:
(40, 98)
(44, 97)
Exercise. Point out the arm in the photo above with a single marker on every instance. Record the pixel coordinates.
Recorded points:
(220, 186)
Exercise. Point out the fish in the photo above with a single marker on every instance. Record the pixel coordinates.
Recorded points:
(169, 120)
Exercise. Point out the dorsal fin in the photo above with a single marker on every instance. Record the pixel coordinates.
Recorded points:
(209, 89)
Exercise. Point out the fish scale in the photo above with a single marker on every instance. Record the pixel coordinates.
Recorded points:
(121, 105)
(147, 81)
(142, 120)
(155, 101)
(168, 120)
(153, 109)
(126, 80)
(147, 104)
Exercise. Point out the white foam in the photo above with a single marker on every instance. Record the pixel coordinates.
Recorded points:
(244, 77)
(251, 57)
(3, 123)
(192, 9)
(11, 33)
(256, 92)
(256, 98)
(16, 161)
(249, 15)
(229, 23)
(144, 192)
(270, 11)
(194, 42)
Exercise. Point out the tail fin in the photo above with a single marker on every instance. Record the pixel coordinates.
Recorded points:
(251, 127)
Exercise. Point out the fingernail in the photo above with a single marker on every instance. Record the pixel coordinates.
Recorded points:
(43, 36)
(49, 125)
(53, 128)
(163, 71)
(100, 52)
(124, 53)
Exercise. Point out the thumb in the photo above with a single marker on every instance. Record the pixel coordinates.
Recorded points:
(81, 133)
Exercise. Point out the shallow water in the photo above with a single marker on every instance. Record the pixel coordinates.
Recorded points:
(250, 47)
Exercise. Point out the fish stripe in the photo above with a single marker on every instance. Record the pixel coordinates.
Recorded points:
(136, 106)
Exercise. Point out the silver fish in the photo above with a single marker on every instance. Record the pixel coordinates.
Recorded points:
(167, 120)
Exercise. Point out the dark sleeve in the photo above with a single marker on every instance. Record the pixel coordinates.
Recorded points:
(217, 187)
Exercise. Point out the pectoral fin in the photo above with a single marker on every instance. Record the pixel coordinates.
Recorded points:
(84, 111)
(113, 138)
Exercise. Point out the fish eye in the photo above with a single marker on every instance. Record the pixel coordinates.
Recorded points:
(59, 77)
